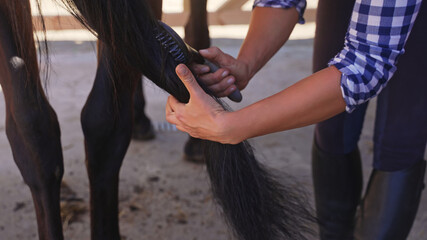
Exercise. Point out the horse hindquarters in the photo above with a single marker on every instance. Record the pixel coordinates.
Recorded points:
(31, 124)
(107, 126)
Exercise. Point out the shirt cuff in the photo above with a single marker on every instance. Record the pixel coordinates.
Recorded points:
(358, 88)
(300, 6)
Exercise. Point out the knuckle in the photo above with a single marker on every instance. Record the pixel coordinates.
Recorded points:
(215, 88)
(216, 50)
(208, 79)
(179, 116)
(169, 119)
(218, 74)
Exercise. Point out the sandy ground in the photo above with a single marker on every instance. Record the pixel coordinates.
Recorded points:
(161, 196)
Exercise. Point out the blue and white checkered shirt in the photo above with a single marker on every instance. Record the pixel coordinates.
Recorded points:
(375, 39)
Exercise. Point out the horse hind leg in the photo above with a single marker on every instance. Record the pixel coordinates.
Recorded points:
(196, 28)
(107, 126)
(31, 124)
(142, 126)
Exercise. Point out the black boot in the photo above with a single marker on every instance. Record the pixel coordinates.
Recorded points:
(390, 204)
(337, 187)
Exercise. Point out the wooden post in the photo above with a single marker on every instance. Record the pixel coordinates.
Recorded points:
(187, 6)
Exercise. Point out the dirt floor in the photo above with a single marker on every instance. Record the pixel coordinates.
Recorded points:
(162, 197)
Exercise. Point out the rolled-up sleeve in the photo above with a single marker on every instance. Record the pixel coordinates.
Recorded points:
(375, 39)
(300, 5)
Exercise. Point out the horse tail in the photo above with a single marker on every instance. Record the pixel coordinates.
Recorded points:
(18, 15)
(254, 202)
(126, 27)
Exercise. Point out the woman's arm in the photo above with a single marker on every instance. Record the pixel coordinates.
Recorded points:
(269, 29)
(311, 100)
(365, 64)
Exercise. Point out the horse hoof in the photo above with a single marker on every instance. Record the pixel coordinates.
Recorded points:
(193, 150)
(143, 132)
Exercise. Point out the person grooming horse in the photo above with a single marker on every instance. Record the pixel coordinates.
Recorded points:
(357, 48)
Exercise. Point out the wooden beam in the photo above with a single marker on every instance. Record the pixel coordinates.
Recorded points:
(231, 5)
(173, 19)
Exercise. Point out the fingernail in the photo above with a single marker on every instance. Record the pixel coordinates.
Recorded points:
(205, 69)
(203, 51)
(230, 80)
(182, 70)
(225, 74)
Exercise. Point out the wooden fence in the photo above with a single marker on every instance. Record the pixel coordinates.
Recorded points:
(230, 12)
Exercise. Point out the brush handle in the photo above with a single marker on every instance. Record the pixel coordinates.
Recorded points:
(235, 96)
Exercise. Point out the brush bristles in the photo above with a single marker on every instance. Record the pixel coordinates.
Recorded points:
(169, 44)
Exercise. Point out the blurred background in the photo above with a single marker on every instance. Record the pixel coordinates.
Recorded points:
(162, 196)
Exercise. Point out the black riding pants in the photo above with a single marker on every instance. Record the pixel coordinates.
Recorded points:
(400, 135)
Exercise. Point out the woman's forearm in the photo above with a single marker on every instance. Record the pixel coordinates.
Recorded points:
(269, 29)
(311, 100)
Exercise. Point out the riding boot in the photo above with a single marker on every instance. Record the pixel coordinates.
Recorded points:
(337, 187)
(390, 204)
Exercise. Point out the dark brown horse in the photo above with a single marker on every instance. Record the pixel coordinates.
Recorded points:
(253, 202)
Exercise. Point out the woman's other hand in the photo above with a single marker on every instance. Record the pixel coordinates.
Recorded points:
(231, 75)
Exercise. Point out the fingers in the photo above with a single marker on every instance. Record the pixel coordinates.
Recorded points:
(219, 82)
(172, 107)
(214, 78)
(227, 91)
(200, 69)
(225, 81)
(215, 55)
(224, 87)
(209, 78)
(170, 113)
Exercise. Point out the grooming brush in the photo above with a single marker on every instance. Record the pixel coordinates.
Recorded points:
(184, 53)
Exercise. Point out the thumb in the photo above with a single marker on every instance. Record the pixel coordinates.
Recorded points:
(188, 79)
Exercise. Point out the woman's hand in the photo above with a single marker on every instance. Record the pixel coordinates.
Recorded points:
(202, 117)
(232, 74)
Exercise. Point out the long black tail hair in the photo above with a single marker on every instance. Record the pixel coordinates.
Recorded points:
(254, 203)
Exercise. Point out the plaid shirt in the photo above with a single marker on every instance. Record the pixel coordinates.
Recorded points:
(375, 39)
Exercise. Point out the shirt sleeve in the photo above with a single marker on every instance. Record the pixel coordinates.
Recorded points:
(300, 6)
(375, 39)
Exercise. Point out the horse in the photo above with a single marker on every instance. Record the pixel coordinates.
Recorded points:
(254, 203)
